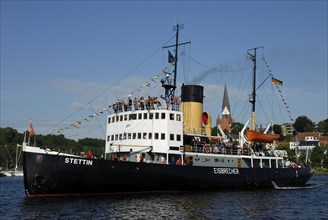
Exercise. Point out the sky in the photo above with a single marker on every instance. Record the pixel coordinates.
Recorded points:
(61, 61)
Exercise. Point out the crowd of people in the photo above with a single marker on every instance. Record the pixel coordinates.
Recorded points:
(142, 103)
(221, 147)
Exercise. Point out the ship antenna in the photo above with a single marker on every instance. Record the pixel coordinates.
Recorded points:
(252, 100)
(168, 84)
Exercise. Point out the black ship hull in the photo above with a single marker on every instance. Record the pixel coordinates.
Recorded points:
(46, 174)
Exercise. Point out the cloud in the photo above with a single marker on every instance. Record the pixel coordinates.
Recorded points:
(100, 94)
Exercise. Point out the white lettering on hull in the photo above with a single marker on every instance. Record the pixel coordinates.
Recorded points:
(78, 161)
(234, 171)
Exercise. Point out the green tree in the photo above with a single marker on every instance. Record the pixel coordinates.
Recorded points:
(9, 138)
(236, 127)
(323, 127)
(277, 129)
(325, 159)
(8, 135)
(317, 156)
(214, 131)
(303, 124)
(96, 145)
(291, 153)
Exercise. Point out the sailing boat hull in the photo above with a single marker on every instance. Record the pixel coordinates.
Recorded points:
(46, 174)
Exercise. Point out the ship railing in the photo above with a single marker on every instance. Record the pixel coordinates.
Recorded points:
(192, 130)
(121, 107)
(226, 150)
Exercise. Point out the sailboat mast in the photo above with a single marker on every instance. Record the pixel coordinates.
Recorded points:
(176, 56)
(254, 91)
(168, 85)
(253, 99)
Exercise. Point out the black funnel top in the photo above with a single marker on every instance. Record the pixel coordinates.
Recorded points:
(192, 93)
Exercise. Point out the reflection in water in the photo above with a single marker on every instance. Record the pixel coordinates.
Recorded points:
(233, 204)
(186, 205)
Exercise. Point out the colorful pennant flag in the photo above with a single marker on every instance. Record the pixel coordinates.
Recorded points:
(171, 58)
(276, 81)
(31, 132)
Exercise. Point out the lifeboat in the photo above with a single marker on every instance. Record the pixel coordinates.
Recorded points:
(254, 136)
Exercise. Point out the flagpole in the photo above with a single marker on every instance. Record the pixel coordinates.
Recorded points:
(254, 91)
(24, 137)
(253, 100)
(171, 86)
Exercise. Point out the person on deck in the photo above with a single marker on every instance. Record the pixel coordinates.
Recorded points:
(89, 154)
(179, 161)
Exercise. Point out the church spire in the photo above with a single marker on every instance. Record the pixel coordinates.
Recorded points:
(225, 103)
(226, 120)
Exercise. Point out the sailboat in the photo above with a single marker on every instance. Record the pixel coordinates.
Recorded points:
(7, 171)
(158, 146)
(17, 171)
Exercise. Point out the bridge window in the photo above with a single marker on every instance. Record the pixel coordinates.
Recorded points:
(178, 117)
(156, 115)
(144, 135)
(163, 115)
(133, 116)
(139, 135)
(162, 136)
(145, 115)
(178, 137)
(125, 117)
(140, 116)
(113, 119)
(171, 137)
(129, 135)
(171, 116)
(150, 135)
(156, 136)
(151, 115)
(109, 120)
(134, 136)
(121, 117)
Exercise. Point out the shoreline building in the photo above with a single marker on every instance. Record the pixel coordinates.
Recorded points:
(226, 120)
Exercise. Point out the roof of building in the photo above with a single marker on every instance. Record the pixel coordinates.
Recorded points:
(301, 135)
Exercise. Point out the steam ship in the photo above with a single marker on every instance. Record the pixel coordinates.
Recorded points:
(152, 147)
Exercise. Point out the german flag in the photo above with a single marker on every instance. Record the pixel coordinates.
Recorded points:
(276, 81)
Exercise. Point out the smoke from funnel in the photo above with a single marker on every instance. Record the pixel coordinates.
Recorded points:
(198, 79)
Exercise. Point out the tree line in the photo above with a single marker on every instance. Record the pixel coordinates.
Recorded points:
(9, 138)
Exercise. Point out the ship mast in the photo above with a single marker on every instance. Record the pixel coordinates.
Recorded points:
(252, 100)
(168, 84)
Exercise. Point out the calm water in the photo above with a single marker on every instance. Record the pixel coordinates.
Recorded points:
(305, 203)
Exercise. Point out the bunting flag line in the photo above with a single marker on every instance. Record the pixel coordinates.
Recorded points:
(278, 83)
(148, 83)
